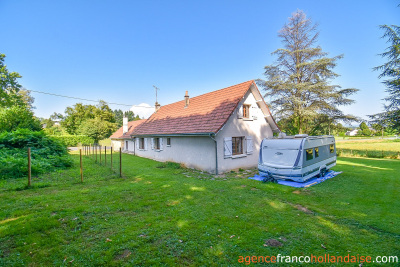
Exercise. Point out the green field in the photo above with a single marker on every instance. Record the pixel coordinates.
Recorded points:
(377, 145)
(162, 214)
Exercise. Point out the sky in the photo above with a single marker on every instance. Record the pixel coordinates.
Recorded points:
(117, 50)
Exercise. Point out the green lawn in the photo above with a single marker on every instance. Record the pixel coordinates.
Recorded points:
(161, 214)
(374, 145)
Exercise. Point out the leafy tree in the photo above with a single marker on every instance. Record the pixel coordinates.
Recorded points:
(119, 115)
(26, 98)
(9, 86)
(391, 71)
(299, 83)
(79, 113)
(18, 117)
(378, 127)
(97, 128)
(364, 129)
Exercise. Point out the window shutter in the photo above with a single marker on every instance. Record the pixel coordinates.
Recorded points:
(249, 143)
(240, 112)
(152, 143)
(161, 143)
(145, 144)
(228, 147)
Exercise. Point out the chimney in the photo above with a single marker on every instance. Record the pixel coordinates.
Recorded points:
(186, 99)
(157, 106)
(125, 125)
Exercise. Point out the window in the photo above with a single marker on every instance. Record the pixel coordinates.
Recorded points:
(309, 154)
(332, 148)
(246, 111)
(126, 147)
(316, 150)
(141, 143)
(168, 141)
(237, 145)
(157, 143)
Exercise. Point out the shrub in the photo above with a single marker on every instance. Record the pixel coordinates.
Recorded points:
(47, 154)
(74, 140)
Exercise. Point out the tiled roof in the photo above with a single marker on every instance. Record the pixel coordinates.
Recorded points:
(131, 126)
(205, 113)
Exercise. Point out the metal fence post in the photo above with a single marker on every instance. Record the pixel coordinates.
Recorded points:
(80, 157)
(29, 166)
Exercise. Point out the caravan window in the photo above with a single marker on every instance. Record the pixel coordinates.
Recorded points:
(309, 154)
(316, 150)
(332, 148)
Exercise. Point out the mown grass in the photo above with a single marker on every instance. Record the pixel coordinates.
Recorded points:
(370, 145)
(161, 213)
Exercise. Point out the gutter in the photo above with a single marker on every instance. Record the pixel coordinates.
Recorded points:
(216, 153)
(173, 135)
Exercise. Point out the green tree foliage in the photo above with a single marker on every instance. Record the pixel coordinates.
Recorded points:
(18, 117)
(298, 85)
(119, 115)
(26, 98)
(391, 71)
(97, 128)
(9, 86)
(79, 113)
(47, 153)
(364, 129)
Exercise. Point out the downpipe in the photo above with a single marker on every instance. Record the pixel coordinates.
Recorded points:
(216, 153)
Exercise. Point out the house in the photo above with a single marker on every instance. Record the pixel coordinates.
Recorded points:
(122, 137)
(215, 132)
(352, 132)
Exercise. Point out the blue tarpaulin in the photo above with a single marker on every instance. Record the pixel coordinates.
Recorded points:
(310, 182)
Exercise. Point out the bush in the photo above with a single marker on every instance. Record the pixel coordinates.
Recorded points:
(74, 140)
(47, 154)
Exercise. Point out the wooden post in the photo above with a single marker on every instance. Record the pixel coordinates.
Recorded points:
(382, 153)
(80, 157)
(29, 166)
(96, 153)
(100, 154)
(111, 157)
(120, 162)
(105, 155)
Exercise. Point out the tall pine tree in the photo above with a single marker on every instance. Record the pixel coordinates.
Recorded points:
(298, 85)
(391, 70)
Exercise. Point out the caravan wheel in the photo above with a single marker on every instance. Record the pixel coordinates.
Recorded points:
(322, 172)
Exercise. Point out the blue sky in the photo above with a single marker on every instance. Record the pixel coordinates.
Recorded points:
(117, 50)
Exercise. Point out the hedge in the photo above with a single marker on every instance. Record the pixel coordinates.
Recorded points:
(47, 153)
(74, 140)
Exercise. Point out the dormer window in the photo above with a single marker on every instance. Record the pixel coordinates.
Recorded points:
(246, 111)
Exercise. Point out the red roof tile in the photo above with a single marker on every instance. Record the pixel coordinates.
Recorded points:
(131, 126)
(205, 113)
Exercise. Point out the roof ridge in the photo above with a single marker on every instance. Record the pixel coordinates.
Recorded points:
(208, 93)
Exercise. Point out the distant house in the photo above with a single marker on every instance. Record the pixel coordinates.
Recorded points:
(215, 132)
(122, 137)
(352, 132)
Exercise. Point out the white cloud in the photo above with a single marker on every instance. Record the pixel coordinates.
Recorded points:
(144, 110)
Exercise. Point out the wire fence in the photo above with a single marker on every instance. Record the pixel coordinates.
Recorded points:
(346, 152)
(101, 155)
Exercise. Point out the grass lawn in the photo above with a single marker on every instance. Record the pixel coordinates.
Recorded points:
(377, 145)
(161, 214)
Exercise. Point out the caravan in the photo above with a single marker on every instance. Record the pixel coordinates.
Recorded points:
(297, 158)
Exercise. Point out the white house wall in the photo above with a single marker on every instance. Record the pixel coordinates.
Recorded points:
(194, 152)
(116, 144)
(257, 129)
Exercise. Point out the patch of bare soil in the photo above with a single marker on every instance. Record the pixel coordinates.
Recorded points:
(273, 243)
